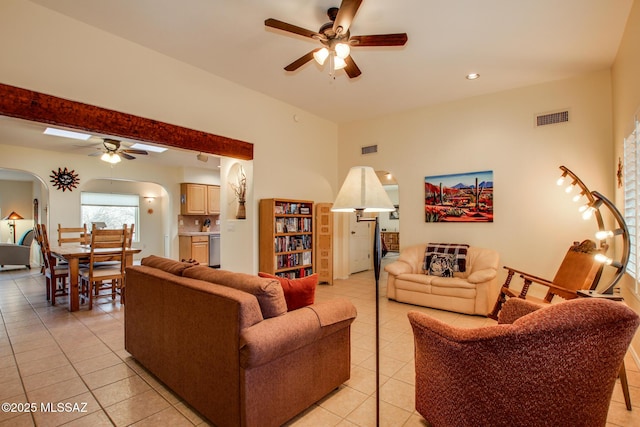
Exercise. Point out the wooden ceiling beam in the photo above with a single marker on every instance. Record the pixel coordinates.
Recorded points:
(35, 106)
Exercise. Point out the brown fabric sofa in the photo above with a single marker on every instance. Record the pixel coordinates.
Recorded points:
(554, 366)
(226, 344)
(471, 292)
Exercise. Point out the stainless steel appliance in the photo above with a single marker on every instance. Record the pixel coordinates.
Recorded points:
(214, 250)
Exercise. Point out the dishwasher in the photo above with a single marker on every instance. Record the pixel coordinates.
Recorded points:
(214, 250)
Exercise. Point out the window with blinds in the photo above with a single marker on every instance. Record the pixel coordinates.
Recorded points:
(114, 210)
(631, 177)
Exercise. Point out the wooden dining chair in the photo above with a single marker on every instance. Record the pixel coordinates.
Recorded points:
(129, 235)
(55, 275)
(76, 235)
(106, 264)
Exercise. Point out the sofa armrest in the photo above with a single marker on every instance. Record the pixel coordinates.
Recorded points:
(515, 308)
(333, 314)
(483, 275)
(274, 337)
(398, 267)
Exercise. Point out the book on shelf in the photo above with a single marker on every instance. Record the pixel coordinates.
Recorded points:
(290, 208)
(295, 274)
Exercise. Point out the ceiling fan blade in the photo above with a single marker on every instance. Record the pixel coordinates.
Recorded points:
(301, 61)
(126, 156)
(351, 69)
(347, 11)
(97, 153)
(398, 39)
(133, 151)
(274, 23)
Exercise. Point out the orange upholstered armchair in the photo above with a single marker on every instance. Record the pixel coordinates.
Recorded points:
(553, 366)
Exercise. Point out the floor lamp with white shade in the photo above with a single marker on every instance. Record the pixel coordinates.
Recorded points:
(362, 192)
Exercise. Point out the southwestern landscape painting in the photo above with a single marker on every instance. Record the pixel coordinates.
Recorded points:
(466, 197)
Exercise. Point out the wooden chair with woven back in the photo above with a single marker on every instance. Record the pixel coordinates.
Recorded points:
(106, 267)
(55, 275)
(579, 270)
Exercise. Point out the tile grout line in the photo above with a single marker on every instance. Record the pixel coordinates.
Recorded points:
(137, 374)
(4, 324)
(65, 356)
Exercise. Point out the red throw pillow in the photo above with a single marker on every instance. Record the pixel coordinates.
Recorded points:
(297, 292)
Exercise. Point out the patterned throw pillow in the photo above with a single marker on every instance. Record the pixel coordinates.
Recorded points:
(442, 265)
(455, 250)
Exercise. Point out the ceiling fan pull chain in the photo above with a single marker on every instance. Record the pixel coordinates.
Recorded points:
(332, 69)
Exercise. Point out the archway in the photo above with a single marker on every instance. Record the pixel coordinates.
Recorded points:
(19, 191)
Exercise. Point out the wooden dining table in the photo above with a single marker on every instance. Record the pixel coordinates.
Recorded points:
(74, 255)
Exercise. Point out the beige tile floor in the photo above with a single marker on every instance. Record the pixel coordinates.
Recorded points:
(49, 356)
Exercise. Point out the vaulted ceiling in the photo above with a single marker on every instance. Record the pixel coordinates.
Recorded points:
(509, 43)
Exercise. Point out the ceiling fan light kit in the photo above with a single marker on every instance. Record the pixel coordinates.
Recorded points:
(336, 39)
(112, 158)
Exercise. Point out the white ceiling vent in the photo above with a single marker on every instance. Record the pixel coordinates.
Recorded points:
(552, 118)
(369, 149)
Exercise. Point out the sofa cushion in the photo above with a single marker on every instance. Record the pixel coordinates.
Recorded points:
(166, 264)
(297, 292)
(267, 291)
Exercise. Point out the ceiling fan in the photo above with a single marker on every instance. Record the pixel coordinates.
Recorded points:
(112, 152)
(336, 39)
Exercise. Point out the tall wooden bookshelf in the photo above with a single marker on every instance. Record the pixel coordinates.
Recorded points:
(286, 237)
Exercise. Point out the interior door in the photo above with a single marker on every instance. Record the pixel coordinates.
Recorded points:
(360, 245)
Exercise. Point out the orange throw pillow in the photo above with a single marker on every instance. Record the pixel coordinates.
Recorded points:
(297, 292)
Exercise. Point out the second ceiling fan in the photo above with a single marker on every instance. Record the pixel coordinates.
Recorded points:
(336, 39)
(112, 151)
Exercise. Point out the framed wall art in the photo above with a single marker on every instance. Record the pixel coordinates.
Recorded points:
(464, 197)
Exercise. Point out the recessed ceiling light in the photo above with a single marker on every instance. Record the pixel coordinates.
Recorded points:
(154, 148)
(473, 76)
(66, 134)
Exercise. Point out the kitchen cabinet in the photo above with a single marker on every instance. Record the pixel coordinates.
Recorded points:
(199, 199)
(195, 247)
(213, 199)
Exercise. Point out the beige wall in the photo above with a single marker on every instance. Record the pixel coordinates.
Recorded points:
(53, 54)
(626, 105)
(535, 221)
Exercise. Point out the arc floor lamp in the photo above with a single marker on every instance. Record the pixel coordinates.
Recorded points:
(595, 202)
(362, 192)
